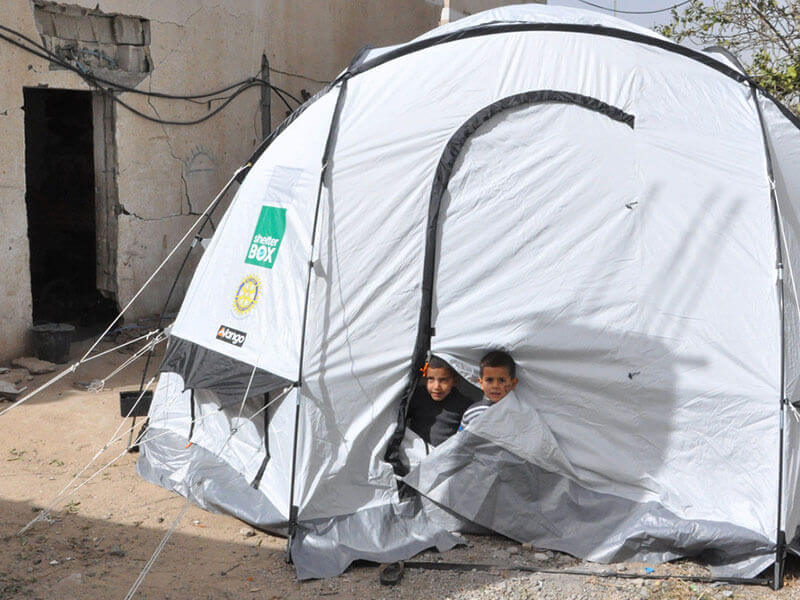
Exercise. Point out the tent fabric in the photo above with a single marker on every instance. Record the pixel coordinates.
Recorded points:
(525, 488)
(388, 533)
(208, 369)
(588, 196)
(783, 140)
(271, 217)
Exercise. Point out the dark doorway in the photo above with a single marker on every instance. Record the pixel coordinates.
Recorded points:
(60, 198)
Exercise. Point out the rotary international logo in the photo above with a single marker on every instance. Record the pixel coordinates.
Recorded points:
(246, 296)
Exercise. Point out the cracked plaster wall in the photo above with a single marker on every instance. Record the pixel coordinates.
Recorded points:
(19, 70)
(166, 173)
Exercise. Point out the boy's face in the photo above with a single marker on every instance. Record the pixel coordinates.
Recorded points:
(496, 382)
(439, 383)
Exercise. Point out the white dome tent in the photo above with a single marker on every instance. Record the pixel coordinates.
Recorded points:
(620, 213)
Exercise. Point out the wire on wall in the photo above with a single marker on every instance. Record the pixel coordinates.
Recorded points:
(112, 88)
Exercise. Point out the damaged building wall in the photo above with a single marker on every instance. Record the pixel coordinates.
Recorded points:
(153, 179)
(19, 70)
(159, 175)
(458, 9)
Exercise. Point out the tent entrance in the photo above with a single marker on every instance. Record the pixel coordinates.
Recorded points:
(61, 146)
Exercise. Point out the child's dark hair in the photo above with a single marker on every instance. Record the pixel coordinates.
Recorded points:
(498, 358)
(437, 363)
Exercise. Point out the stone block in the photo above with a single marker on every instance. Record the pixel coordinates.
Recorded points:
(45, 22)
(103, 30)
(10, 391)
(72, 10)
(131, 58)
(128, 30)
(15, 377)
(66, 27)
(34, 365)
(85, 32)
(109, 51)
(145, 32)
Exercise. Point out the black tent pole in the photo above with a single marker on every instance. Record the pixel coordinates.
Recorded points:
(324, 173)
(780, 534)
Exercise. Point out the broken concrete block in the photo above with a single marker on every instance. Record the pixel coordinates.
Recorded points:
(145, 32)
(103, 30)
(131, 59)
(10, 391)
(45, 21)
(72, 10)
(14, 376)
(34, 365)
(128, 30)
(85, 31)
(66, 27)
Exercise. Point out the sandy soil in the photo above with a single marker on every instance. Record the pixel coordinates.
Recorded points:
(101, 536)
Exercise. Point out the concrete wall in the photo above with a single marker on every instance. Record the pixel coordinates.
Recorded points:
(462, 8)
(167, 174)
(19, 69)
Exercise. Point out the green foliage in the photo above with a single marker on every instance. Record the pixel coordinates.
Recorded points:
(763, 34)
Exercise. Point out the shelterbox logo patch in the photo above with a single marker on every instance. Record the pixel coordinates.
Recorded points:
(266, 242)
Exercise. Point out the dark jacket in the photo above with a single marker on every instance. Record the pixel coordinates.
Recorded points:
(436, 421)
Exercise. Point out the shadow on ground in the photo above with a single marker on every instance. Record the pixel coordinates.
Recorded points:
(84, 558)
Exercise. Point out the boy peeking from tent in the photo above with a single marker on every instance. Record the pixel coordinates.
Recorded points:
(436, 413)
(498, 378)
(443, 410)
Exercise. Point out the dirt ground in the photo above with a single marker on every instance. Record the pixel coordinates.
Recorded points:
(101, 537)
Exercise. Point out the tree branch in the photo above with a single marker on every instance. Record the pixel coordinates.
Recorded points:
(784, 42)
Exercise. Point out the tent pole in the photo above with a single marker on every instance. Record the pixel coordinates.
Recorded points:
(324, 173)
(292, 508)
(780, 534)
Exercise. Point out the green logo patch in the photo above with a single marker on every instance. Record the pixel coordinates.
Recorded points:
(271, 226)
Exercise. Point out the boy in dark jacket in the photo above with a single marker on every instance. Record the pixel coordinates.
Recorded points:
(435, 415)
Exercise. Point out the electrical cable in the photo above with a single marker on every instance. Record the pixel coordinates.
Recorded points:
(279, 91)
(299, 76)
(43, 52)
(92, 81)
(279, 94)
(205, 117)
(634, 12)
(57, 59)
